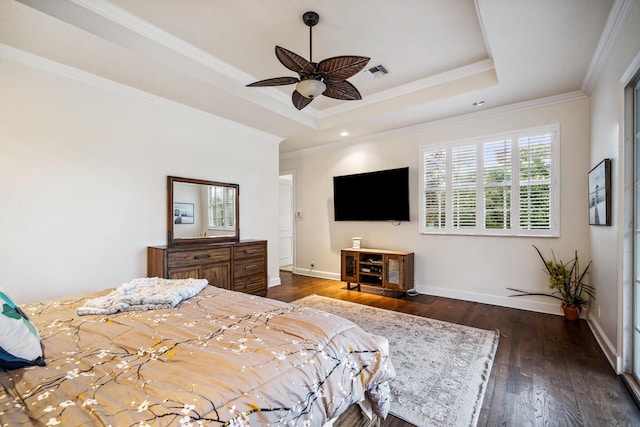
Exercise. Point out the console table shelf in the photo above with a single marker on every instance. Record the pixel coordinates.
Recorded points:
(383, 269)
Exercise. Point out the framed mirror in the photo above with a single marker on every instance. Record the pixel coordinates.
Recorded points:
(201, 211)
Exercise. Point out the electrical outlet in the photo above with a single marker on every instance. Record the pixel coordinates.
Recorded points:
(598, 311)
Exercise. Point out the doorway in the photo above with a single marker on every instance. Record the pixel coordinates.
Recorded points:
(636, 250)
(631, 244)
(287, 223)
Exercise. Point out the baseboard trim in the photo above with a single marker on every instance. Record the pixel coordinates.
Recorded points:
(315, 273)
(607, 347)
(274, 281)
(519, 303)
(550, 307)
(633, 386)
(547, 307)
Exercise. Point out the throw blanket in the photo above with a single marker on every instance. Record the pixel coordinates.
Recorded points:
(147, 293)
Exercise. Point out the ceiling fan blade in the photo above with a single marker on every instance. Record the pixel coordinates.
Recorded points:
(293, 61)
(342, 67)
(341, 89)
(300, 101)
(277, 81)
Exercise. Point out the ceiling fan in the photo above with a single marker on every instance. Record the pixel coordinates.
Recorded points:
(327, 77)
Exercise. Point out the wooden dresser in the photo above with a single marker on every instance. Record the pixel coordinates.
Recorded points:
(239, 266)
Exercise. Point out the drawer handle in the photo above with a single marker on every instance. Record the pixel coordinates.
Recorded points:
(250, 251)
(202, 256)
(251, 267)
(251, 285)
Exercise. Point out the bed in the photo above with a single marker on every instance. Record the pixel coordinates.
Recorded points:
(217, 358)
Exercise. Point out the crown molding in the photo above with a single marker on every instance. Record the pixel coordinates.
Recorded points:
(413, 87)
(631, 70)
(449, 121)
(121, 27)
(311, 117)
(163, 38)
(612, 29)
(34, 61)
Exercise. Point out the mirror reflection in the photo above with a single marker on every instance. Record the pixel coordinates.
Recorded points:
(201, 211)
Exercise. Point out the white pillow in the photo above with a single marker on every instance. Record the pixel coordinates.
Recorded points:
(19, 338)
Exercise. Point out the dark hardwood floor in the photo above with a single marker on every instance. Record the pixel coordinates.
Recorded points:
(547, 371)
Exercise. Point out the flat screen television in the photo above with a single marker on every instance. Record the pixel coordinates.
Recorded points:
(372, 196)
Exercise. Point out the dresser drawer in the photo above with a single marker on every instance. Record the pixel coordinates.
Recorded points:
(256, 250)
(198, 257)
(248, 267)
(240, 266)
(251, 285)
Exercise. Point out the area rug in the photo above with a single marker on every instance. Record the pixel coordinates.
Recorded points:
(442, 369)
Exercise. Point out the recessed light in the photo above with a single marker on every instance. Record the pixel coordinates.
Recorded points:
(344, 133)
(478, 103)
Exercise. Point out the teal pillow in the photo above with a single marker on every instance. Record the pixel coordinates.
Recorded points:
(19, 339)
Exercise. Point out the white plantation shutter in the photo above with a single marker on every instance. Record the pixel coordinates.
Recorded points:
(434, 189)
(503, 185)
(497, 175)
(464, 166)
(535, 182)
(221, 207)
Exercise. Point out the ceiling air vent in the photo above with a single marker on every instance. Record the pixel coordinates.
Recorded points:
(377, 71)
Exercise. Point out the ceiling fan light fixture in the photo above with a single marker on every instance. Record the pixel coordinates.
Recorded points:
(327, 77)
(311, 88)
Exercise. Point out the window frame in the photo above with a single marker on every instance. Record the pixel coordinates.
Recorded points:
(227, 205)
(480, 229)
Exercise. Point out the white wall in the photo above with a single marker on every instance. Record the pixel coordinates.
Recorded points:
(607, 141)
(83, 180)
(473, 268)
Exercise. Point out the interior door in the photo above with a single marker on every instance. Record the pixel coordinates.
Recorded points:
(286, 221)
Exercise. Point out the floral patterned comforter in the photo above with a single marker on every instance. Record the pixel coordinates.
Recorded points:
(219, 358)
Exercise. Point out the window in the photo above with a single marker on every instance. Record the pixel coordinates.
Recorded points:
(222, 213)
(501, 185)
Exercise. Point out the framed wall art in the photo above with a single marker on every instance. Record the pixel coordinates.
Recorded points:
(600, 194)
(183, 213)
